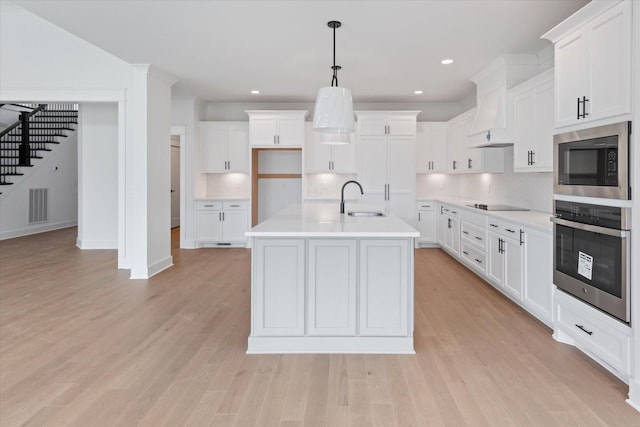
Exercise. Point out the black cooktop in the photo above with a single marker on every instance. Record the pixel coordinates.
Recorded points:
(489, 207)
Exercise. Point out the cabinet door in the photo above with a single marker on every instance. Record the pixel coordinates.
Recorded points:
(238, 148)
(372, 126)
(403, 205)
(437, 139)
(262, 130)
(234, 225)
(384, 287)
(514, 267)
(524, 129)
(610, 56)
(278, 286)
(401, 126)
(422, 158)
(343, 158)
(373, 163)
(442, 226)
(426, 226)
(542, 158)
(571, 76)
(317, 156)
(209, 226)
(332, 287)
(455, 235)
(401, 175)
(213, 137)
(496, 260)
(291, 131)
(456, 150)
(538, 283)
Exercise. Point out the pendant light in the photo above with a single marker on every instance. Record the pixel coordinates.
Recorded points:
(333, 112)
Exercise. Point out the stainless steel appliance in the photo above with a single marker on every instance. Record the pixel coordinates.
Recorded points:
(591, 255)
(593, 162)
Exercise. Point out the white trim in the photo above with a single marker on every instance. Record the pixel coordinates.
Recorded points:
(96, 244)
(62, 95)
(578, 19)
(353, 345)
(37, 229)
(181, 132)
(151, 270)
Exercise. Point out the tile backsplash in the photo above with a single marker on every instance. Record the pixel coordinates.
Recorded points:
(231, 185)
(524, 189)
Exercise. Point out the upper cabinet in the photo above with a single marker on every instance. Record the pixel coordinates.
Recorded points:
(225, 147)
(532, 125)
(431, 147)
(593, 65)
(274, 128)
(325, 158)
(376, 123)
(461, 158)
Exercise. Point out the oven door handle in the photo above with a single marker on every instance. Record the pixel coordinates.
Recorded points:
(592, 228)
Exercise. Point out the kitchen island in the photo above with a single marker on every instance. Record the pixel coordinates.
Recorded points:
(325, 282)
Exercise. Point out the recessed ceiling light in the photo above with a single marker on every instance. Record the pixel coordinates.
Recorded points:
(446, 61)
(255, 92)
(417, 92)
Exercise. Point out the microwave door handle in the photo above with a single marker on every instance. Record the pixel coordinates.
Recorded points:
(593, 228)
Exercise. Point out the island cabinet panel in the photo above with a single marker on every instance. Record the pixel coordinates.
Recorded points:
(332, 287)
(384, 287)
(278, 281)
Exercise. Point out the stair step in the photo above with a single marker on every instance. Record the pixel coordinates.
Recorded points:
(51, 128)
(17, 157)
(11, 174)
(47, 134)
(6, 183)
(49, 121)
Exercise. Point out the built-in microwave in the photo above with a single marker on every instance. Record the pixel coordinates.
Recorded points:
(593, 162)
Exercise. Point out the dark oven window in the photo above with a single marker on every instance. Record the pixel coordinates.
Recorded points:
(605, 252)
(591, 162)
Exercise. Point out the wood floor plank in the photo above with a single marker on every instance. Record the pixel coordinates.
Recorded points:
(83, 345)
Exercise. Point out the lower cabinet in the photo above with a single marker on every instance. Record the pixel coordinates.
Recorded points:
(332, 287)
(332, 295)
(426, 223)
(449, 229)
(222, 222)
(537, 296)
(506, 264)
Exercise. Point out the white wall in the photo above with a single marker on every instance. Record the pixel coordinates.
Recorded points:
(98, 176)
(58, 172)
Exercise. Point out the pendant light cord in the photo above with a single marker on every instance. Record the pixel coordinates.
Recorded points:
(335, 69)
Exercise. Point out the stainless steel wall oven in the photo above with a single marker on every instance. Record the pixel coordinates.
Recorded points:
(593, 162)
(591, 259)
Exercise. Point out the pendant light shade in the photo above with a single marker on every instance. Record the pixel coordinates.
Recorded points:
(333, 112)
(335, 138)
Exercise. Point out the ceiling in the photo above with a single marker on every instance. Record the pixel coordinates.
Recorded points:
(221, 50)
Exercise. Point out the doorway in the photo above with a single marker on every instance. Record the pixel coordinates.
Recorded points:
(175, 181)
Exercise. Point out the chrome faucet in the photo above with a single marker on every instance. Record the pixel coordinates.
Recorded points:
(342, 193)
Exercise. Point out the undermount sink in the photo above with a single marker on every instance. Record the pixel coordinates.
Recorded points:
(365, 213)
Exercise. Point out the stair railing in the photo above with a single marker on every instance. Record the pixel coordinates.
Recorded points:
(24, 152)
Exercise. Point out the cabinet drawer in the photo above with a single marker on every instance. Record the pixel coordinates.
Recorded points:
(209, 205)
(424, 206)
(474, 258)
(474, 236)
(451, 211)
(606, 338)
(229, 205)
(504, 227)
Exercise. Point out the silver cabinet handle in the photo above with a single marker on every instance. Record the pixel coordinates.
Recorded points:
(593, 228)
(234, 206)
(208, 206)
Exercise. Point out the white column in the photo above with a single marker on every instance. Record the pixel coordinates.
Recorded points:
(149, 173)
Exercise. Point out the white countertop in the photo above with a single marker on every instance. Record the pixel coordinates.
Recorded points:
(535, 219)
(325, 220)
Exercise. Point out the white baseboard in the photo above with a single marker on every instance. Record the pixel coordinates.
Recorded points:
(36, 229)
(96, 244)
(151, 270)
(307, 344)
(634, 394)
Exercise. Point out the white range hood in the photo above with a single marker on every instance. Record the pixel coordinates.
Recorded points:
(489, 128)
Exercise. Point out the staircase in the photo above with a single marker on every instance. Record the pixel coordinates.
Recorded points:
(39, 128)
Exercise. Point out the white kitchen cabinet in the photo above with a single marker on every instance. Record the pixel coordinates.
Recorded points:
(279, 287)
(460, 158)
(384, 290)
(327, 158)
(603, 338)
(274, 128)
(221, 222)
(449, 229)
(225, 147)
(332, 287)
(593, 64)
(506, 257)
(538, 275)
(532, 124)
(387, 170)
(426, 221)
(379, 123)
(431, 147)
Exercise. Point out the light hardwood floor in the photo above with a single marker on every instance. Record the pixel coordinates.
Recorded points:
(82, 345)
